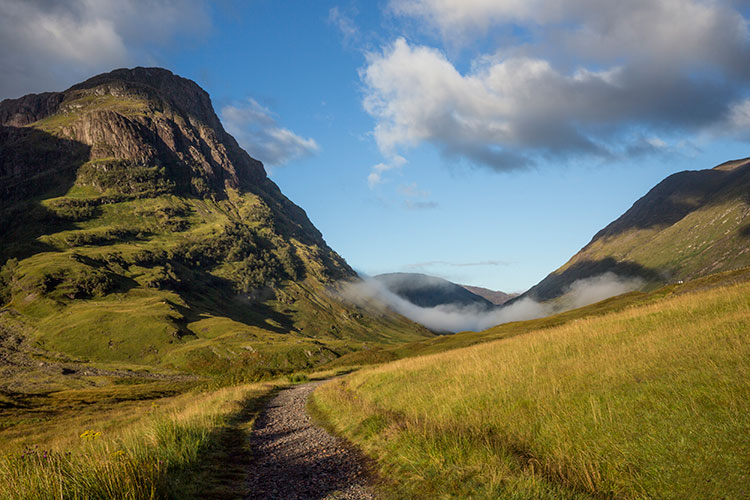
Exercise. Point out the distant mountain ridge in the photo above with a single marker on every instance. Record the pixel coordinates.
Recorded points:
(496, 297)
(429, 291)
(691, 224)
(136, 230)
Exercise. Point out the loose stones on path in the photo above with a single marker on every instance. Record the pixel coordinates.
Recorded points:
(293, 459)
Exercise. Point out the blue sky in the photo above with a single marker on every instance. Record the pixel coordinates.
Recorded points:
(483, 142)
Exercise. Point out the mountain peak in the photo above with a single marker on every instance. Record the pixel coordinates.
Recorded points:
(140, 118)
(153, 84)
(123, 196)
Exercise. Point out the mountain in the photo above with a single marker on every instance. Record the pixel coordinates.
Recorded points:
(692, 224)
(496, 297)
(135, 230)
(429, 291)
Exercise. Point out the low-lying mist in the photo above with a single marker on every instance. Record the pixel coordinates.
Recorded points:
(453, 318)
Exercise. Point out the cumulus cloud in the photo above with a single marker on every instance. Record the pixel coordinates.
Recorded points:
(50, 45)
(257, 131)
(450, 319)
(590, 78)
(680, 30)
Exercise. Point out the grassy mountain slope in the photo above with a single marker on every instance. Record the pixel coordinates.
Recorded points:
(496, 297)
(137, 232)
(691, 224)
(430, 291)
(651, 401)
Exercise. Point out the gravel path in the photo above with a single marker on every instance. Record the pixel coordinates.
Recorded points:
(293, 459)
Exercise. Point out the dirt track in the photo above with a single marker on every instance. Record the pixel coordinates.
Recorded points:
(297, 460)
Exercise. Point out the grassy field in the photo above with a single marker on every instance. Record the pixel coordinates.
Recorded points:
(442, 343)
(650, 401)
(151, 440)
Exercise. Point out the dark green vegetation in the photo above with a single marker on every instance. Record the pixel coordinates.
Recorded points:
(691, 224)
(429, 291)
(137, 233)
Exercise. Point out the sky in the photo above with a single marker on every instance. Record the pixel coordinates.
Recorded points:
(482, 141)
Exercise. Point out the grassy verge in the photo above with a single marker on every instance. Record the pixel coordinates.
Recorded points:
(185, 446)
(651, 401)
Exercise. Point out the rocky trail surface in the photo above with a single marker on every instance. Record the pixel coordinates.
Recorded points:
(295, 459)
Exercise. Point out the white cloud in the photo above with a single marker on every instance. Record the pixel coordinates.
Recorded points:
(259, 134)
(598, 78)
(683, 30)
(456, 318)
(50, 45)
(507, 112)
(739, 115)
(488, 115)
(376, 173)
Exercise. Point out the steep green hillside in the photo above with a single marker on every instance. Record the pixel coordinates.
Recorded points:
(135, 231)
(649, 402)
(691, 224)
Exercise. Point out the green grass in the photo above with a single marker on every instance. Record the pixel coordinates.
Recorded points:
(135, 442)
(73, 108)
(705, 241)
(159, 282)
(651, 401)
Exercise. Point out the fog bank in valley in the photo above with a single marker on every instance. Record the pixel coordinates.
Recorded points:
(453, 318)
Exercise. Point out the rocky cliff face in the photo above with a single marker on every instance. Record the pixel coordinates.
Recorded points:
(147, 117)
(127, 188)
(123, 122)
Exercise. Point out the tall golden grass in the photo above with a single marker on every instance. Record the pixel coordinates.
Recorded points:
(649, 402)
(165, 450)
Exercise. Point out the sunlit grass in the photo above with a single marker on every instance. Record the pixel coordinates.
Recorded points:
(649, 402)
(166, 448)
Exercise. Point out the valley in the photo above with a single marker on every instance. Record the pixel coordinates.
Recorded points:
(162, 301)
(646, 402)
